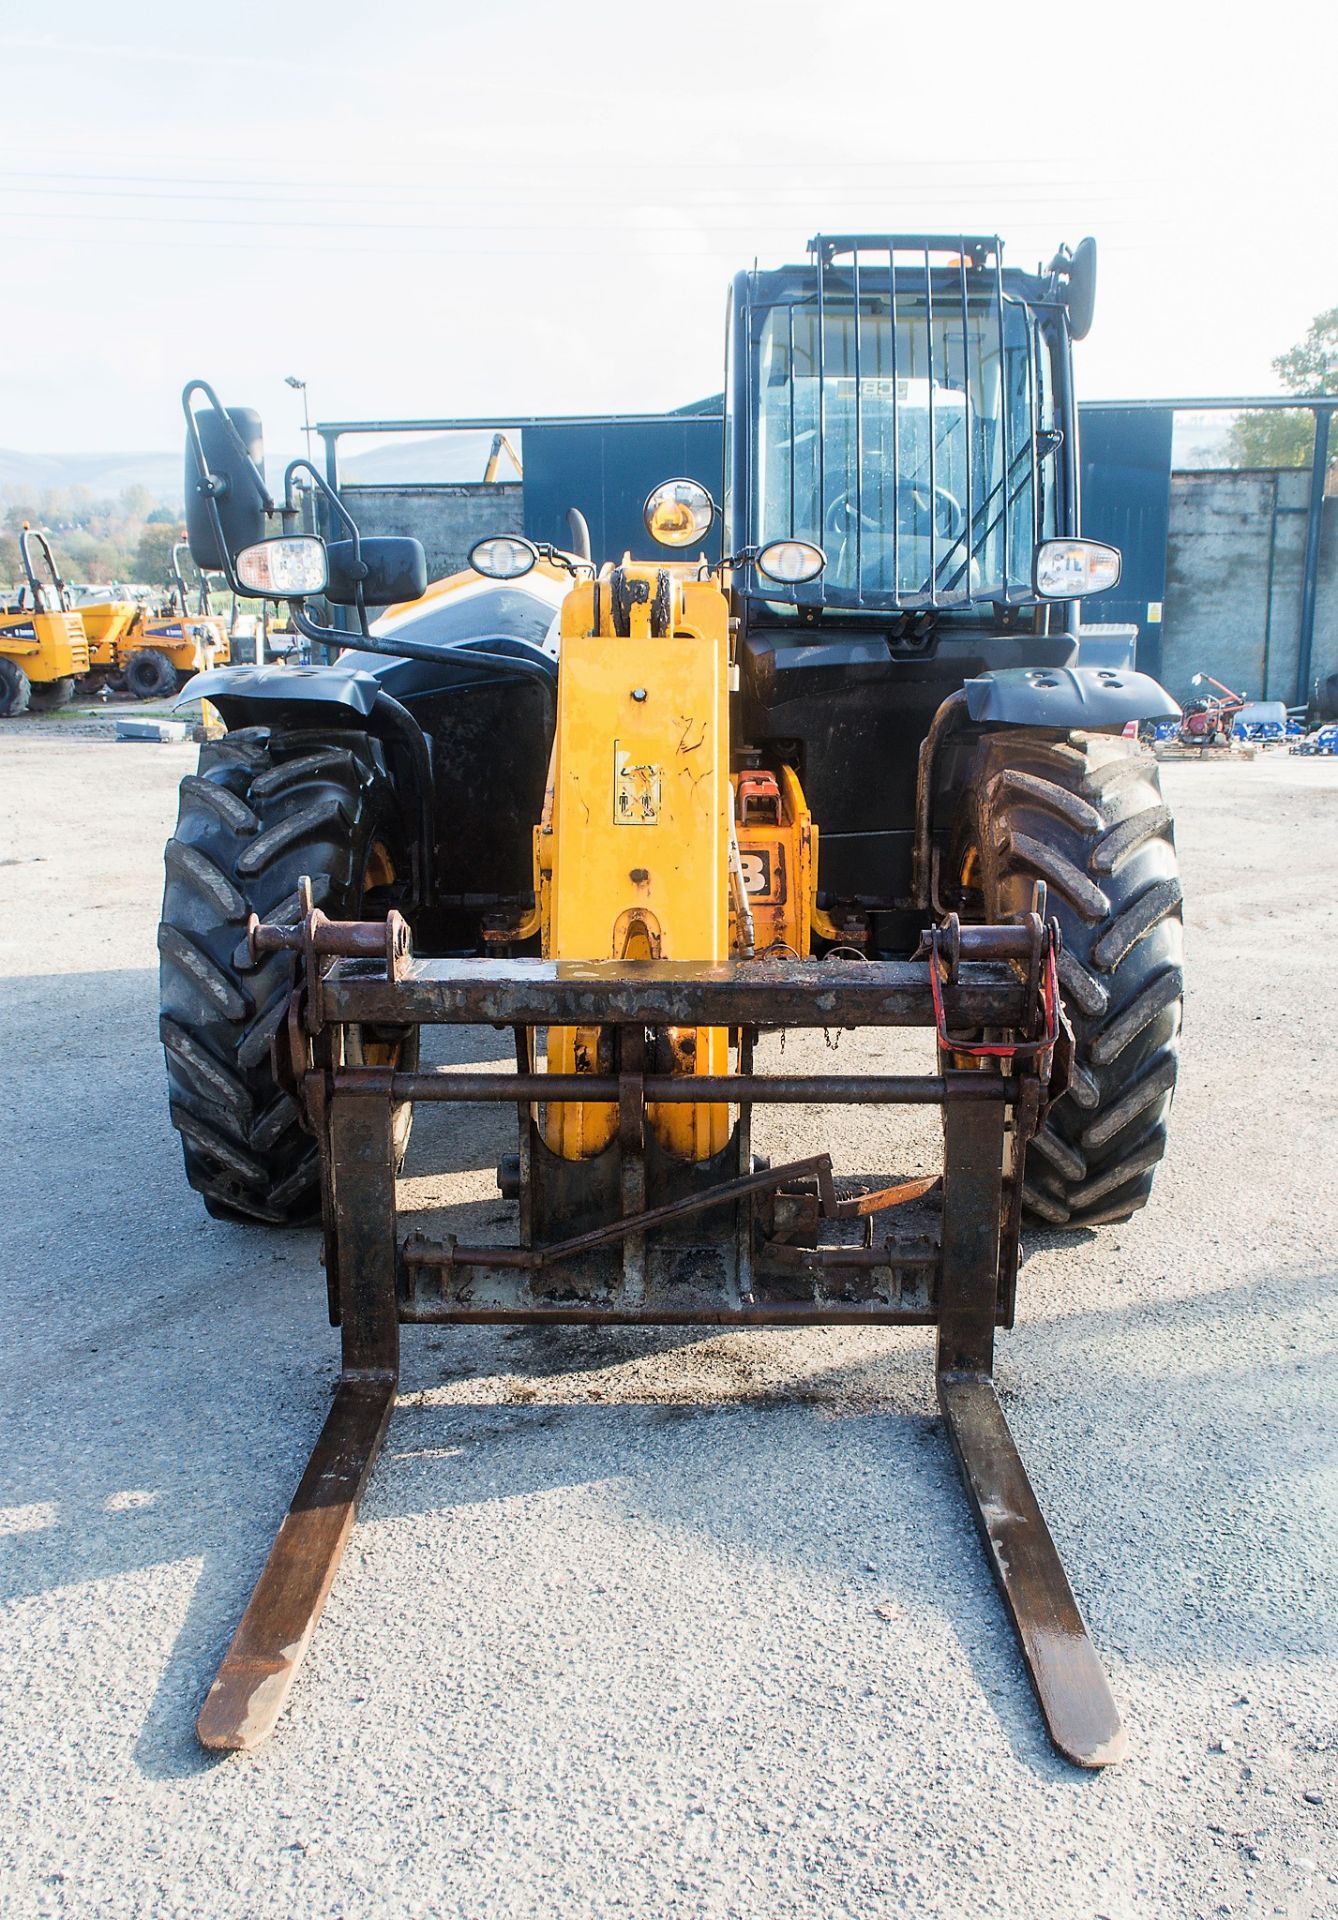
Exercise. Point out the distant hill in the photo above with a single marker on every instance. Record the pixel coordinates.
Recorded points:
(440, 457)
(105, 474)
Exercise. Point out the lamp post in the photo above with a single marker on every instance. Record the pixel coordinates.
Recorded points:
(300, 386)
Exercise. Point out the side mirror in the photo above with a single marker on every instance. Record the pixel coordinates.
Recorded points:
(392, 570)
(1080, 294)
(1069, 569)
(678, 513)
(232, 443)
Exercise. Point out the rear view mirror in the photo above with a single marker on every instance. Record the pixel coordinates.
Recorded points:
(1080, 294)
(1068, 569)
(678, 513)
(232, 443)
(392, 570)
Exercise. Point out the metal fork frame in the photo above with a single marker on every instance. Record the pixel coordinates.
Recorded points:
(987, 1114)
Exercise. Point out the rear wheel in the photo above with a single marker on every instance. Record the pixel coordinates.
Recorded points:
(263, 810)
(16, 689)
(149, 675)
(1084, 813)
(50, 694)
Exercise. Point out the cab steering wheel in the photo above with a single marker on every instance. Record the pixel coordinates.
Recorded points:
(840, 517)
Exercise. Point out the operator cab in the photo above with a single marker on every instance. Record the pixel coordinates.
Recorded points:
(903, 403)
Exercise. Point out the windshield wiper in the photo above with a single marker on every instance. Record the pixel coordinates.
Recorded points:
(977, 536)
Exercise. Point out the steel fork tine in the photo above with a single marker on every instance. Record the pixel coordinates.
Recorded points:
(1075, 1697)
(252, 1686)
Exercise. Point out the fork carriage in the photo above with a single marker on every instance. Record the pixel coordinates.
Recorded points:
(744, 1245)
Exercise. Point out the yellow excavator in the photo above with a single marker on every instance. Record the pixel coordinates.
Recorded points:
(43, 650)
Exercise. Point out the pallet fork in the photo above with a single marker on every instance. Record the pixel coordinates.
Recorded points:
(954, 1266)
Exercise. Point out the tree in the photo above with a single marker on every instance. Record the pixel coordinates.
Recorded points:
(1288, 439)
(96, 539)
(153, 556)
(22, 514)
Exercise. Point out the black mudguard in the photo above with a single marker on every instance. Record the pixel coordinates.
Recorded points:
(331, 700)
(333, 696)
(1096, 699)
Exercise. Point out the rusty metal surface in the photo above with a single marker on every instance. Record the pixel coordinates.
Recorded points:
(316, 934)
(827, 1089)
(1074, 1694)
(253, 1684)
(659, 993)
(880, 1199)
(421, 1252)
(758, 1313)
(629, 1264)
(1075, 1697)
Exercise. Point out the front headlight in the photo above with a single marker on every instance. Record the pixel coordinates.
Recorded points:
(1068, 569)
(503, 556)
(791, 561)
(288, 568)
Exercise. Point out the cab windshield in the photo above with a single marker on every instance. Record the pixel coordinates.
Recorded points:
(915, 455)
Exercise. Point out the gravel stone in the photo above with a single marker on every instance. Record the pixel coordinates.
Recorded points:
(604, 1656)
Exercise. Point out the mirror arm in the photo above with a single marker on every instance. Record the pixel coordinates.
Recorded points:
(337, 507)
(743, 557)
(209, 485)
(573, 564)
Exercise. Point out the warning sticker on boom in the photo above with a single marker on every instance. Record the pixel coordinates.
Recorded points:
(637, 789)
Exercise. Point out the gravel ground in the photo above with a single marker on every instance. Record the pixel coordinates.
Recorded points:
(655, 1623)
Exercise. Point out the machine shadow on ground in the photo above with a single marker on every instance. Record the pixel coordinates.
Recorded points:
(195, 1479)
(170, 1424)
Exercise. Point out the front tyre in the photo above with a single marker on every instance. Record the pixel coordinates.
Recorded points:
(149, 675)
(47, 695)
(16, 689)
(263, 810)
(1084, 813)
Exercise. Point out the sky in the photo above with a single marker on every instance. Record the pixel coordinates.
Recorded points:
(433, 210)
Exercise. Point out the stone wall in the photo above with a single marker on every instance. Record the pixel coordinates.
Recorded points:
(447, 519)
(1234, 561)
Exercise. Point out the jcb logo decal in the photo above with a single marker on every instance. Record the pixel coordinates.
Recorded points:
(756, 871)
(764, 872)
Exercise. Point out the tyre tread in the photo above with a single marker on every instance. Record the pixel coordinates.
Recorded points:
(263, 809)
(1106, 852)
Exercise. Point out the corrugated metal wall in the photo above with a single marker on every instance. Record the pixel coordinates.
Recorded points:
(1217, 554)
